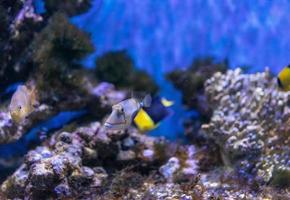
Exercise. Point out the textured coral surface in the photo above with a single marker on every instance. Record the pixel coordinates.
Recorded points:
(88, 162)
(250, 123)
(240, 152)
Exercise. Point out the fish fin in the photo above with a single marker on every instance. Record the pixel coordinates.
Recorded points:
(33, 96)
(22, 88)
(166, 102)
(147, 101)
(143, 121)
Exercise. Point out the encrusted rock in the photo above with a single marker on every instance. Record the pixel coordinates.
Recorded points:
(248, 123)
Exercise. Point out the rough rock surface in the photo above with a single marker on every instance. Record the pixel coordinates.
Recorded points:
(88, 162)
(250, 124)
(73, 163)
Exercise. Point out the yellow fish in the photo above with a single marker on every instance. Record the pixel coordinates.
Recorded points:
(284, 79)
(22, 103)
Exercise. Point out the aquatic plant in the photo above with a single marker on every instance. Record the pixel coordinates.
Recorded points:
(57, 50)
(118, 68)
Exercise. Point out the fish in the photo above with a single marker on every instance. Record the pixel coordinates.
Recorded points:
(145, 115)
(23, 103)
(283, 79)
(149, 118)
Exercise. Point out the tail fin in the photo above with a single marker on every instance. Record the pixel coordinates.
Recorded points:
(166, 102)
(147, 101)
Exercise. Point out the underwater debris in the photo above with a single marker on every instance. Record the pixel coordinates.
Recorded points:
(118, 68)
(248, 123)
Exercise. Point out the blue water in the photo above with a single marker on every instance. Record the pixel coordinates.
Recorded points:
(165, 34)
(39, 6)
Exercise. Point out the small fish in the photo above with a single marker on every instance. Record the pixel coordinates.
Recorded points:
(22, 103)
(284, 79)
(145, 115)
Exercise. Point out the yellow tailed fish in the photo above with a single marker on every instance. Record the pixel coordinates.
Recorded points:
(150, 117)
(145, 115)
(283, 79)
(22, 103)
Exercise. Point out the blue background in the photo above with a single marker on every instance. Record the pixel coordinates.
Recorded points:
(162, 35)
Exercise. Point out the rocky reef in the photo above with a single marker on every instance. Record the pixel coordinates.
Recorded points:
(250, 124)
(244, 151)
(88, 162)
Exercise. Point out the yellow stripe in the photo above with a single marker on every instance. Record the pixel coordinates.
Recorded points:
(284, 77)
(143, 121)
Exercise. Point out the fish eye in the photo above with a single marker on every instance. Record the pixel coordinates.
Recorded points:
(19, 107)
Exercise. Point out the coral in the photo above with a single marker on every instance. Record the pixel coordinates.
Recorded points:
(56, 51)
(72, 163)
(18, 25)
(27, 12)
(248, 123)
(118, 69)
(85, 164)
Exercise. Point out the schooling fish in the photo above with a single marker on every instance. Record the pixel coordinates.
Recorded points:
(144, 115)
(22, 103)
(284, 79)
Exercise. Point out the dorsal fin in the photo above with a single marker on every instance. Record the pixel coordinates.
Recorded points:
(147, 101)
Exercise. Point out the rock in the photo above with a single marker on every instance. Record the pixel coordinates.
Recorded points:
(249, 112)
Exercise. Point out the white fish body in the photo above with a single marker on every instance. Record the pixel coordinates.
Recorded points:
(122, 114)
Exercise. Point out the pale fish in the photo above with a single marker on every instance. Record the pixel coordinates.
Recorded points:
(22, 103)
(124, 112)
